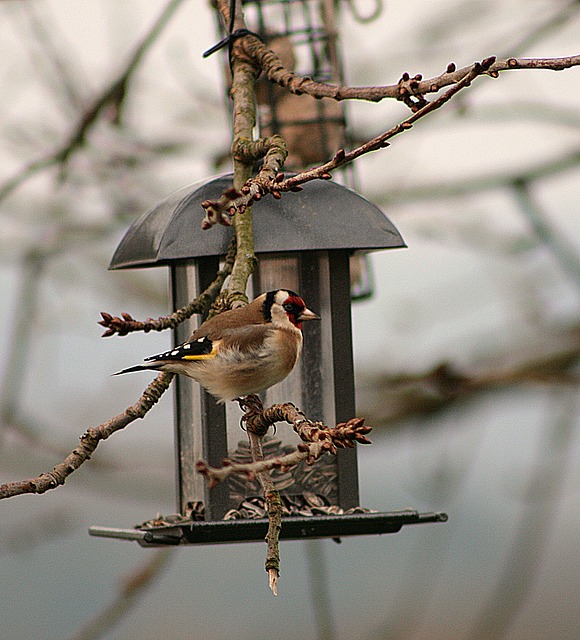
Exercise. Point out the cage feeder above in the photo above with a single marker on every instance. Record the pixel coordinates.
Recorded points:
(304, 242)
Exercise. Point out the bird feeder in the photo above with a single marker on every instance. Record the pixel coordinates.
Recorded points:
(303, 242)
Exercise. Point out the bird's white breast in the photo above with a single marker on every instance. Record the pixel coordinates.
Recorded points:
(234, 373)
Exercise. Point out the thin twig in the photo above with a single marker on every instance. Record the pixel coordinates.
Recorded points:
(317, 439)
(344, 157)
(214, 475)
(274, 152)
(253, 191)
(266, 60)
(244, 75)
(127, 324)
(274, 509)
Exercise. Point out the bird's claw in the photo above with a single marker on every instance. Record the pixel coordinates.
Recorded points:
(251, 406)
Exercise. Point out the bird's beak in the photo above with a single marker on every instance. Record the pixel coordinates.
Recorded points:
(307, 315)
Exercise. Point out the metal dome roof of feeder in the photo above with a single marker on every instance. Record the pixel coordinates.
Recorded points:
(324, 215)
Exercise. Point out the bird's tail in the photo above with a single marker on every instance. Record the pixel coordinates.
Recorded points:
(139, 367)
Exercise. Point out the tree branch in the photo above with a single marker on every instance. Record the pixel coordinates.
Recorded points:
(274, 508)
(266, 60)
(317, 439)
(253, 190)
(127, 324)
(245, 151)
(89, 442)
(274, 152)
(244, 76)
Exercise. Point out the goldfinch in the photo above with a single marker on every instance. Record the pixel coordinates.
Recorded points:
(242, 351)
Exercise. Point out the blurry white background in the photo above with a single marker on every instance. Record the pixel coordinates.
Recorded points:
(479, 291)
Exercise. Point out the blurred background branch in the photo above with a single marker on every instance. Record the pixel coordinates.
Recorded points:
(130, 591)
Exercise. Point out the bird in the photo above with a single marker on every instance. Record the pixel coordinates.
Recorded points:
(240, 352)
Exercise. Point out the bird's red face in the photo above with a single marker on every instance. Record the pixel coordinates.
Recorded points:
(297, 312)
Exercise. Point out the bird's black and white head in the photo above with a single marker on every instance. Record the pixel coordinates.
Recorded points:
(284, 307)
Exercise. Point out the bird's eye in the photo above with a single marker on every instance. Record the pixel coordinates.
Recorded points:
(292, 308)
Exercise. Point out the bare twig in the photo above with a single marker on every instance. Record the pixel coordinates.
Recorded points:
(274, 509)
(245, 151)
(311, 452)
(253, 191)
(127, 324)
(274, 152)
(266, 60)
(317, 439)
(244, 75)
(89, 442)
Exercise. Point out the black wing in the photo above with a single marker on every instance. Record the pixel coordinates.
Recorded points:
(195, 350)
